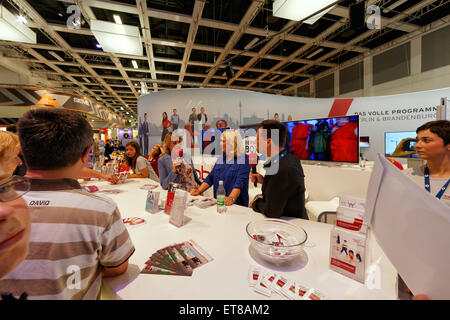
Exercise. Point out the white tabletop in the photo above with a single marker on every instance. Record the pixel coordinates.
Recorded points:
(223, 236)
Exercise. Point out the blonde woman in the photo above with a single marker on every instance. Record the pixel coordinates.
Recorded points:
(15, 218)
(232, 168)
(9, 153)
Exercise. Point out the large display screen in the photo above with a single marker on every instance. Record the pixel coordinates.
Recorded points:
(400, 144)
(325, 139)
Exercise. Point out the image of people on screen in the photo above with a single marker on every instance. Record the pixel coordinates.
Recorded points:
(328, 139)
(319, 141)
(300, 141)
(344, 140)
(400, 144)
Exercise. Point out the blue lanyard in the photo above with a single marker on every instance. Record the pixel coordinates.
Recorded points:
(427, 183)
(280, 156)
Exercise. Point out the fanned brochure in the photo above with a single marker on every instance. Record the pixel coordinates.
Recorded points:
(177, 260)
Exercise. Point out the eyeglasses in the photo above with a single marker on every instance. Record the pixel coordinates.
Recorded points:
(14, 188)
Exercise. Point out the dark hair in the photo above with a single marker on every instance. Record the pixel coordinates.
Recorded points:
(132, 161)
(12, 128)
(438, 127)
(351, 251)
(164, 113)
(159, 149)
(270, 125)
(53, 138)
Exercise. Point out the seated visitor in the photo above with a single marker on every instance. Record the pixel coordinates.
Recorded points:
(70, 227)
(9, 152)
(232, 168)
(15, 219)
(157, 152)
(170, 171)
(136, 161)
(283, 186)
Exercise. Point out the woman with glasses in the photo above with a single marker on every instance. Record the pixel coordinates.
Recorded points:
(15, 219)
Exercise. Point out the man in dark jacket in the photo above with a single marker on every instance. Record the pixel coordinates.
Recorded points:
(283, 186)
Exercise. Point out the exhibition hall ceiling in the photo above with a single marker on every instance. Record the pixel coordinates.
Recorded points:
(188, 44)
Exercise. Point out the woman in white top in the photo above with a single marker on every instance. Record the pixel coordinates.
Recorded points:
(433, 145)
(136, 161)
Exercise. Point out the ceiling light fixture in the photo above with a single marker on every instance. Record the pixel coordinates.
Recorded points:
(314, 53)
(300, 9)
(98, 46)
(134, 63)
(121, 108)
(127, 112)
(10, 30)
(117, 38)
(22, 19)
(117, 19)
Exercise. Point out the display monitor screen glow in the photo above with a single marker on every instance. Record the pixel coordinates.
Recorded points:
(400, 144)
(325, 139)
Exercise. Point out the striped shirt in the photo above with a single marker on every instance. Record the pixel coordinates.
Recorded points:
(74, 234)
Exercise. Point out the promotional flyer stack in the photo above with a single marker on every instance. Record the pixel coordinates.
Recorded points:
(267, 282)
(349, 239)
(177, 260)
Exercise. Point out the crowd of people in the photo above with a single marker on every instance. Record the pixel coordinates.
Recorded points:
(48, 223)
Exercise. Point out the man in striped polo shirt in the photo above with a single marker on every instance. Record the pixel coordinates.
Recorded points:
(76, 237)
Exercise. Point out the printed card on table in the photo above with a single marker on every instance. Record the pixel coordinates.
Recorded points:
(134, 222)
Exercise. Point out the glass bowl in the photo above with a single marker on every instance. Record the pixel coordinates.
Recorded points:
(122, 177)
(276, 240)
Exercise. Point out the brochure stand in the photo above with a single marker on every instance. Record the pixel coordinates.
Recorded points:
(348, 245)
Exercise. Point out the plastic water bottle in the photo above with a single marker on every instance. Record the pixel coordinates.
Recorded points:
(221, 198)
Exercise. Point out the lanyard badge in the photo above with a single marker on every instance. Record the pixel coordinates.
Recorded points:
(427, 183)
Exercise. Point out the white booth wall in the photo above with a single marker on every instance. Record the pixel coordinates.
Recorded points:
(403, 112)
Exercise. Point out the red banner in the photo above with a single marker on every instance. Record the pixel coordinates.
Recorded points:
(355, 226)
(343, 265)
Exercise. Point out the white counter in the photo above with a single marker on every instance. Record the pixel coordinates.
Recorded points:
(224, 237)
